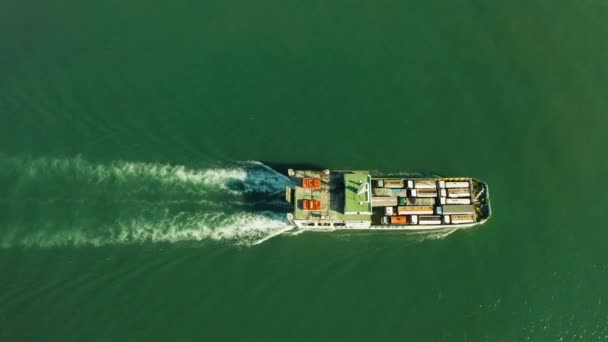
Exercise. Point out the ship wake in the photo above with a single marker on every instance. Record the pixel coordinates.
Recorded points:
(54, 202)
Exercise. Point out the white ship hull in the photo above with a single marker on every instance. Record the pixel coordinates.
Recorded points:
(310, 225)
(355, 200)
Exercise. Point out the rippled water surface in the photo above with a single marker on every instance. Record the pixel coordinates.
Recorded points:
(139, 199)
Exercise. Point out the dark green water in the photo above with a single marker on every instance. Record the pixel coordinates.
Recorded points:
(135, 205)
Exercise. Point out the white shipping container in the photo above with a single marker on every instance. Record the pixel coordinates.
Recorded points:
(388, 211)
(414, 219)
(464, 184)
(414, 210)
(410, 184)
(446, 219)
(462, 219)
(430, 222)
(442, 184)
(424, 184)
(459, 192)
(442, 200)
(423, 193)
(443, 192)
(458, 201)
(429, 219)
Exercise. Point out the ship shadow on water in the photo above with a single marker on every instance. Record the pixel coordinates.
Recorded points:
(262, 189)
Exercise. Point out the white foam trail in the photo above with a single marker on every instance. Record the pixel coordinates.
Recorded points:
(239, 178)
(241, 229)
(405, 237)
(298, 231)
(422, 235)
(278, 232)
(268, 180)
(143, 197)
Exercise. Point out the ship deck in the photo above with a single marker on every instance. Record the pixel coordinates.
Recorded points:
(354, 199)
(331, 194)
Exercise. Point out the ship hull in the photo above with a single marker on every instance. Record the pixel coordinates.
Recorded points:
(356, 200)
(313, 226)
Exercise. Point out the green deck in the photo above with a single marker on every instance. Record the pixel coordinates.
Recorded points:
(355, 202)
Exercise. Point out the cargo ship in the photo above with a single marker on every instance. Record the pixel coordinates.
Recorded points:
(330, 199)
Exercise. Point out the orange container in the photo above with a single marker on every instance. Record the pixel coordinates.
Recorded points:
(311, 204)
(399, 219)
(311, 183)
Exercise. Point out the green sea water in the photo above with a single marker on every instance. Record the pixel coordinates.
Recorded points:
(138, 202)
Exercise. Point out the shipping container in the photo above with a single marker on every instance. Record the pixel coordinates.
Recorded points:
(382, 192)
(442, 184)
(399, 219)
(458, 209)
(423, 192)
(311, 204)
(311, 183)
(399, 192)
(446, 219)
(443, 192)
(418, 209)
(419, 201)
(462, 218)
(410, 184)
(458, 201)
(459, 192)
(462, 184)
(425, 184)
(384, 201)
(393, 183)
(388, 211)
(414, 219)
(429, 219)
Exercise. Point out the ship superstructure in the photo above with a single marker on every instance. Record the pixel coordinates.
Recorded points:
(358, 200)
